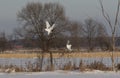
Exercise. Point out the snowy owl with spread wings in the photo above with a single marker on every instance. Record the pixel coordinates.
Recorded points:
(49, 28)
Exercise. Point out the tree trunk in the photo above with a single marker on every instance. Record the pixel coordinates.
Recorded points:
(113, 49)
(41, 61)
(51, 57)
(51, 60)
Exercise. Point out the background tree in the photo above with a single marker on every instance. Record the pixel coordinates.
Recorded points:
(90, 32)
(95, 35)
(3, 42)
(33, 17)
(103, 41)
(75, 31)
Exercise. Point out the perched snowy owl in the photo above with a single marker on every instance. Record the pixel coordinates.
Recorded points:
(68, 45)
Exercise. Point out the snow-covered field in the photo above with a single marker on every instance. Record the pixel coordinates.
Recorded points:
(57, 61)
(63, 74)
(59, 73)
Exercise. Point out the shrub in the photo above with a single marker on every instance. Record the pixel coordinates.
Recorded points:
(67, 66)
(118, 66)
(82, 66)
(98, 65)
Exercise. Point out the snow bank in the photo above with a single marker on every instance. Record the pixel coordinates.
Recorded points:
(62, 74)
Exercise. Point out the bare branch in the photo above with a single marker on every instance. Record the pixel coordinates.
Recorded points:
(116, 18)
(105, 15)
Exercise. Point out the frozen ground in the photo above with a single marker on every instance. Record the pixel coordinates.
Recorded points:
(57, 61)
(62, 74)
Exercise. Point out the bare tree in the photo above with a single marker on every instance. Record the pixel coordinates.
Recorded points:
(33, 17)
(112, 26)
(102, 37)
(3, 42)
(90, 31)
(95, 34)
(75, 30)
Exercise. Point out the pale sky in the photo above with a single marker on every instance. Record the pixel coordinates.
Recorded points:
(75, 9)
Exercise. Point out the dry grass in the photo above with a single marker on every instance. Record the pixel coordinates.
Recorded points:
(57, 55)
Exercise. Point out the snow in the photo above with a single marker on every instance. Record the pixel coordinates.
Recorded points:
(57, 61)
(63, 74)
(59, 73)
